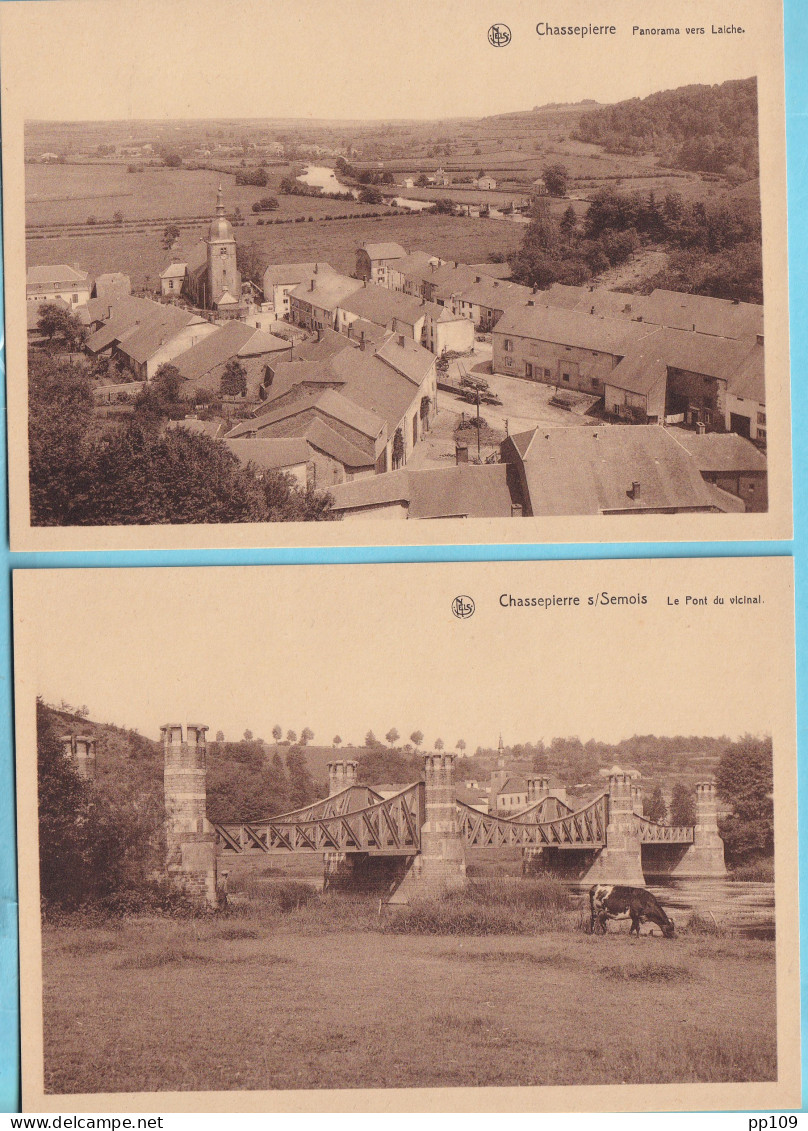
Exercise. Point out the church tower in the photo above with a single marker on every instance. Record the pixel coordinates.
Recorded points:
(223, 278)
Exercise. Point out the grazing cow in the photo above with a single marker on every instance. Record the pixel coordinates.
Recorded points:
(608, 901)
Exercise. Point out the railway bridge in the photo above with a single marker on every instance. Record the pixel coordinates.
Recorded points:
(418, 839)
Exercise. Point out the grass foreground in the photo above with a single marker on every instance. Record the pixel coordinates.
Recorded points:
(310, 991)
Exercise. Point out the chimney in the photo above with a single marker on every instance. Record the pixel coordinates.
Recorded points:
(530, 302)
(496, 282)
(701, 428)
(635, 489)
(759, 339)
(535, 288)
(401, 340)
(311, 284)
(516, 510)
(477, 279)
(361, 339)
(461, 454)
(591, 310)
(316, 268)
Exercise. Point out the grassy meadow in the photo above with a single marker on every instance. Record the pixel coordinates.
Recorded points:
(141, 254)
(501, 986)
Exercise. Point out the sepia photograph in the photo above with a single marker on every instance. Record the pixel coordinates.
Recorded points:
(413, 295)
(537, 852)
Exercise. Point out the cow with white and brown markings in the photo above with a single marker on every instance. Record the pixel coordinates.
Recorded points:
(612, 901)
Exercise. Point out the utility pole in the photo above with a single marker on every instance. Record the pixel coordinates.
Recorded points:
(478, 425)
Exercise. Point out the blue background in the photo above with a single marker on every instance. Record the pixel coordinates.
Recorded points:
(796, 59)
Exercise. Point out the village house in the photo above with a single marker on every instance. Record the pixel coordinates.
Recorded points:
(360, 409)
(373, 261)
(314, 305)
(561, 347)
(486, 183)
(203, 364)
(280, 279)
(466, 490)
(389, 309)
(112, 285)
(609, 469)
(728, 461)
(172, 279)
(485, 300)
(160, 337)
(46, 283)
(407, 274)
(291, 455)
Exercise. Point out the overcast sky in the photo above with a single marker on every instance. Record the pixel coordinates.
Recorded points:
(345, 649)
(365, 59)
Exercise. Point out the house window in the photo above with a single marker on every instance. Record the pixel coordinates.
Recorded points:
(595, 383)
(74, 298)
(508, 345)
(547, 373)
(761, 418)
(565, 377)
(508, 362)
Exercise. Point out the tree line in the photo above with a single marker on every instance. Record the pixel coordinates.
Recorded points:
(713, 248)
(84, 471)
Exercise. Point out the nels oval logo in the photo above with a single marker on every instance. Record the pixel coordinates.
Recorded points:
(499, 35)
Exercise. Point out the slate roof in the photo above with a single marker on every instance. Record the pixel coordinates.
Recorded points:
(143, 341)
(174, 271)
(270, 454)
(614, 336)
(328, 292)
(210, 428)
(120, 315)
(583, 470)
(494, 294)
(380, 306)
(461, 491)
(55, 274)
(748, 379)
(720, 451)
(388, 250)
(287, 273)
(214, 350)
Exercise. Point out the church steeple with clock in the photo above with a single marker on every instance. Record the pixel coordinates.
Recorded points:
(223, 278)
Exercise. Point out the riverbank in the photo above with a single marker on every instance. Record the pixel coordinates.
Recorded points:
(321, 992)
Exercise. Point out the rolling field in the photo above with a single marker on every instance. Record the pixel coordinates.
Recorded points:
(141, 255)
(332, 996)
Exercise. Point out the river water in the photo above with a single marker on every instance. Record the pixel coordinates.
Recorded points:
(743, 908)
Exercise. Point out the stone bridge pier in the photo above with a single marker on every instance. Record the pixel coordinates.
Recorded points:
(342, 773)
(190, 841)
(705, 856)
(620, 860)
(80, 750)
(538, 787)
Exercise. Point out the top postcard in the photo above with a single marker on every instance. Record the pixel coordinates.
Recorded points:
(275, 273)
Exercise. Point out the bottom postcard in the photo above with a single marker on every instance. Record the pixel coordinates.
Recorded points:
(448, 837)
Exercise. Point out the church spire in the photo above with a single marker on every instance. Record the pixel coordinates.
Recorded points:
(220, 201)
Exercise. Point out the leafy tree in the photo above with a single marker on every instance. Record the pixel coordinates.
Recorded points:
(172, 161)
(171, 234)
(382, 764)
(370, 195)
(744, 780)
(392, 736)
(287, 501)
(167, 382)
(556, 179)
(291, 737)
(234, 379)
(89, 848)
(683, 806)
(439, 744)
(248, 736)
(655, 809)
(461, 746)
(444, 206)
(416, 738)
(277, 733)
(306, 735)
(117, 217)
(56, 320)
(301, 784)
(336, 740)
(251, 262)
(371, 740)
(568, 222)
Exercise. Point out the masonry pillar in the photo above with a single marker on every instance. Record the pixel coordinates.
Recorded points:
(636, 799)
(80, 749)
(705, 856)
(620, 861)
(442, 862)
(538, 787)
(338, 865)
(341, 775)
(190, 842)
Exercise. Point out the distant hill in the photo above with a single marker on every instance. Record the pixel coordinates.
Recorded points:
(710, 129)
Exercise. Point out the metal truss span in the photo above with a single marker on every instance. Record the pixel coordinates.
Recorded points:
(585, 828)
(383, 828)
(348, 800)
(651, 832)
